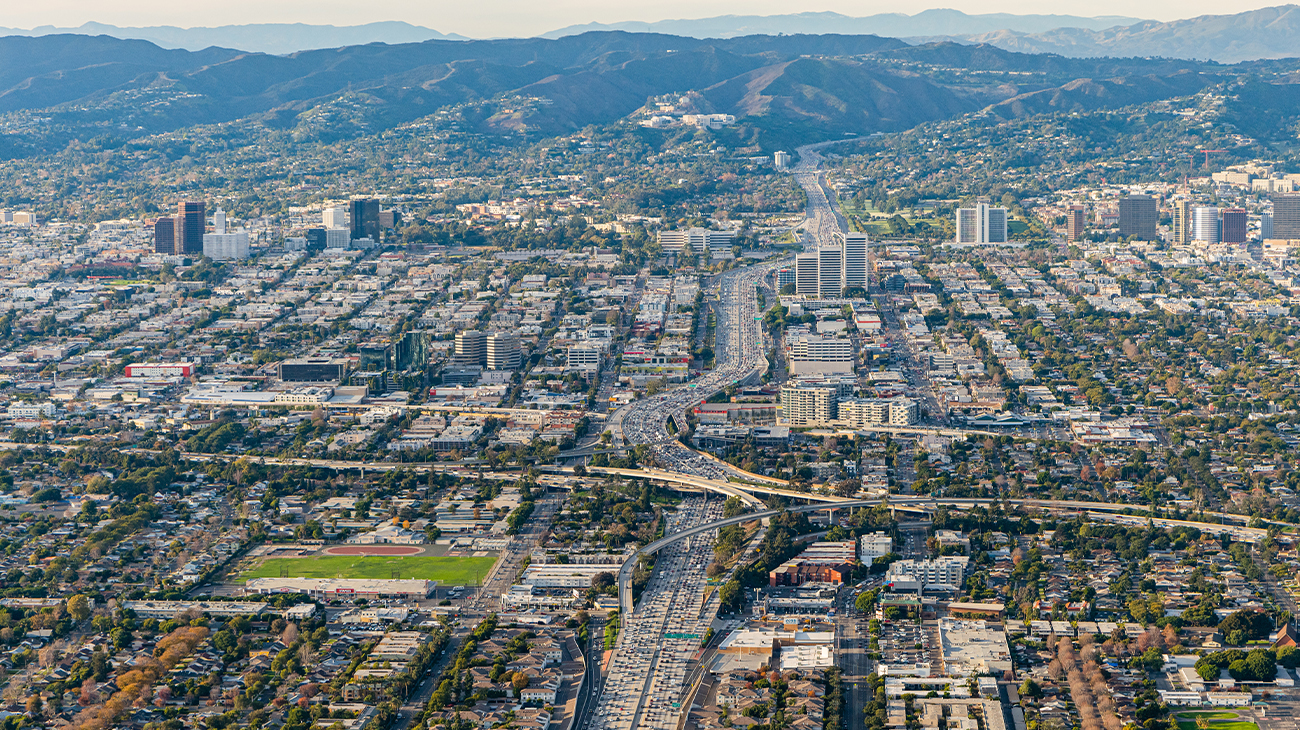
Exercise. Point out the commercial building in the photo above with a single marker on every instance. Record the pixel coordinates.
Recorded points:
(160, 370)
(816, 355)
(1205, 224)
(1233, 225)
(830, 271)
(970, 647)
(1182, 215)
(1138, 217)
(583, 359)
(981, 224)
(164, 236)
(412, 351)
(875, 545)
(313, 370)
(695, 239)
(806, 275)
(173, 609)
(190, 223)
(520, 597)
(1074, 222)
(784, 276)
(943, 573)
(863, 412)
(223, 245)
(503, 351)
(781, 160)
(335, 217)
(564, 575)
(807, 406)
(1286, 216)
(820, 562)
(471, 348)
(364, 218)
(855, 260)
(331, 589)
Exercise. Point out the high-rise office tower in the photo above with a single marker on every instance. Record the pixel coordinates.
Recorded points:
(1286, 216)
(805, 274)
(164, 236)
(1137, 217)
(365, 219)
(1074, 222)
(190, 223)
(981, 224)
(1182, 221)
(503, 351)
(219, 221)
(1234, 225)
(830, 271)
(855, 260)
(1266, 226)
(471, 348)
(1205, 224)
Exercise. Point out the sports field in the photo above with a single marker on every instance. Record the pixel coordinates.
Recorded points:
(451, 571)
(1219, 725)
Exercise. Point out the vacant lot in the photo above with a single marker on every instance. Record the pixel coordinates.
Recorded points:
(451, 571)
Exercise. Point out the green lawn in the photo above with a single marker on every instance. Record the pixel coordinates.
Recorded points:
(1208, 715)
(451, 571)
(1220, 725)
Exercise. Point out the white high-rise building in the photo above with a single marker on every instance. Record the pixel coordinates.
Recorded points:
(698, 240)
(503, 351)
(335, 217)
(981, 224)
(806, 274)
(855, 260)
(830, 271)
(782, 160)
(219, 220)
(1205, 224)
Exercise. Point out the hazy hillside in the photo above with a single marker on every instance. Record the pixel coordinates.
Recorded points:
(935, 22)
(782, 89)
(1256, 34)
(277, 38)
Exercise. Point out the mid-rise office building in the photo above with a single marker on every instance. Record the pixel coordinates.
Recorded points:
(1234, 226)
(830, 271)
(808, 406)
(503, 351)
(1138, 217)
(471, 348)
(855, 260)
(1205, 224)
(981, 224)
(313, 370)
(190, 223)
(1074, 222)
(335, 217)
(817, 355)
(412, 351)
(1286, 216)
(784, 276)
(223, 245)
(364, 218)
(164, 236)
(697, 240)
(782, 160)
(806, 274)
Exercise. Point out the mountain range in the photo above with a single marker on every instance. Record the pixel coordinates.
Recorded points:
(274, 38)
(934, 22)
(782, 89)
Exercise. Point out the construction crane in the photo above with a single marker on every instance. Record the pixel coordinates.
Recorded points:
(1207, 156)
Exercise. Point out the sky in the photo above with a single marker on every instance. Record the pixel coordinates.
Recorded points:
(498, 18)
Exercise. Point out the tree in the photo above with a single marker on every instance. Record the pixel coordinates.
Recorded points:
(519, 682)
(865, 601)
(1030, 688)
(79, 608)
